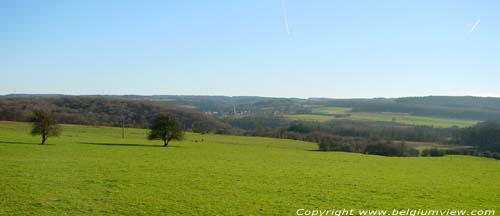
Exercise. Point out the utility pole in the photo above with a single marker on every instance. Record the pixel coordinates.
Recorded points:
(124, 115)
(123, 127)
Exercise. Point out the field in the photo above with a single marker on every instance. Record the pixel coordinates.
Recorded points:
(331, 110)
(328, 113)
(92, 171)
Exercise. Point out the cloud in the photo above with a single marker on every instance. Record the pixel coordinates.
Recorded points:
(285, 16)
(476, 24)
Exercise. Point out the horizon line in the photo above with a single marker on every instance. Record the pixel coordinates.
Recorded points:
(215, 95)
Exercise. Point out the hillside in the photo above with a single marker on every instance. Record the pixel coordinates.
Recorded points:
(462, 107)
(471, 108)
(216, 113)
(93, 171)
(105, 111)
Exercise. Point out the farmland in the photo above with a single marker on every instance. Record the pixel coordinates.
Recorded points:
(340, 113)
(331, 110)
(92, 170)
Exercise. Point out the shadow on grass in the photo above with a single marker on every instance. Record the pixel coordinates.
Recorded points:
(123, 144)
(22, 143)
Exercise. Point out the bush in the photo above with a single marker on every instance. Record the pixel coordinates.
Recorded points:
(385, 149)
(433, 152)
(412, 152)
(389, 148)
(367, 146)
(335, 143)
(487, 154)
(496, 156)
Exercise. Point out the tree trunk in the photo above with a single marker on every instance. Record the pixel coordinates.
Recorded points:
(44, 138)
(165, 142)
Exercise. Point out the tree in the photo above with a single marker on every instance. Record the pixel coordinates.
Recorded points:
(44, 124)
(166, 128)
(484, 136)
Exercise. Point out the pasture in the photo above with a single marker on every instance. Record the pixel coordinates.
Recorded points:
(340, 113)
(93, 171)
(331, 110)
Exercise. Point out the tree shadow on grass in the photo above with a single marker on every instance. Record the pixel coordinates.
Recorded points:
(22, 143)
(123, 144)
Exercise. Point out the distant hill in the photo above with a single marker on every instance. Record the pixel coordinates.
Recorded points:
(477, 108)
(106, 111)
(485, 103)
(461, 107)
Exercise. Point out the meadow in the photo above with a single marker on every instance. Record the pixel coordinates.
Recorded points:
(93, 171)
(329, 113)
(331, 110)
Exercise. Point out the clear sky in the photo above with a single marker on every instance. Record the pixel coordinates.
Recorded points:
(334, 48)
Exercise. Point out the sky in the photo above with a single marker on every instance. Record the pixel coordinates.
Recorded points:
(278, 48)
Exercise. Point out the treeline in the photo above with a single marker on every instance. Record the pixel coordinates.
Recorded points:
(437, 111)
(483, 136)
(376, 138)
(336, 136)
(477, 108)
(106, 111)
(275, 126)
(364, 145)
(229, 106)
(257, 122)
(379, 138)
(485, 103)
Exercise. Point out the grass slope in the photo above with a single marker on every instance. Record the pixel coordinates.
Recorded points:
(92, 171)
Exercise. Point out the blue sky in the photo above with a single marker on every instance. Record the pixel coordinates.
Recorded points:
(340, 49)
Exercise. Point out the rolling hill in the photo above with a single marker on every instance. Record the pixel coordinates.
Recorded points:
(93, 171)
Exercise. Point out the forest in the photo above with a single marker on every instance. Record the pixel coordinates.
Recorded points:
(259, 116)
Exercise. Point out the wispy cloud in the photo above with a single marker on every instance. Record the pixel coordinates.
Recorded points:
(476, 24)
(285, 16)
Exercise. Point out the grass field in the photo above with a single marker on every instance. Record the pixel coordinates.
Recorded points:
(310, 117)
(328, 113)
(331, 110)
(412, 120)
(92, 171)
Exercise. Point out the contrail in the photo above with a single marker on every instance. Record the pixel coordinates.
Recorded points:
(476, 24)
(285, 16)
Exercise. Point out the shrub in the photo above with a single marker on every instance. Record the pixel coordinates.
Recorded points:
(433, 152)
(384, 149)
(367, 146)
(412, 152)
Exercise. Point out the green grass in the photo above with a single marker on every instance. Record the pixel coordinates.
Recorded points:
(92, 171)
(328, 113)
(411, 119)
(331, 110)
(311, 117)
